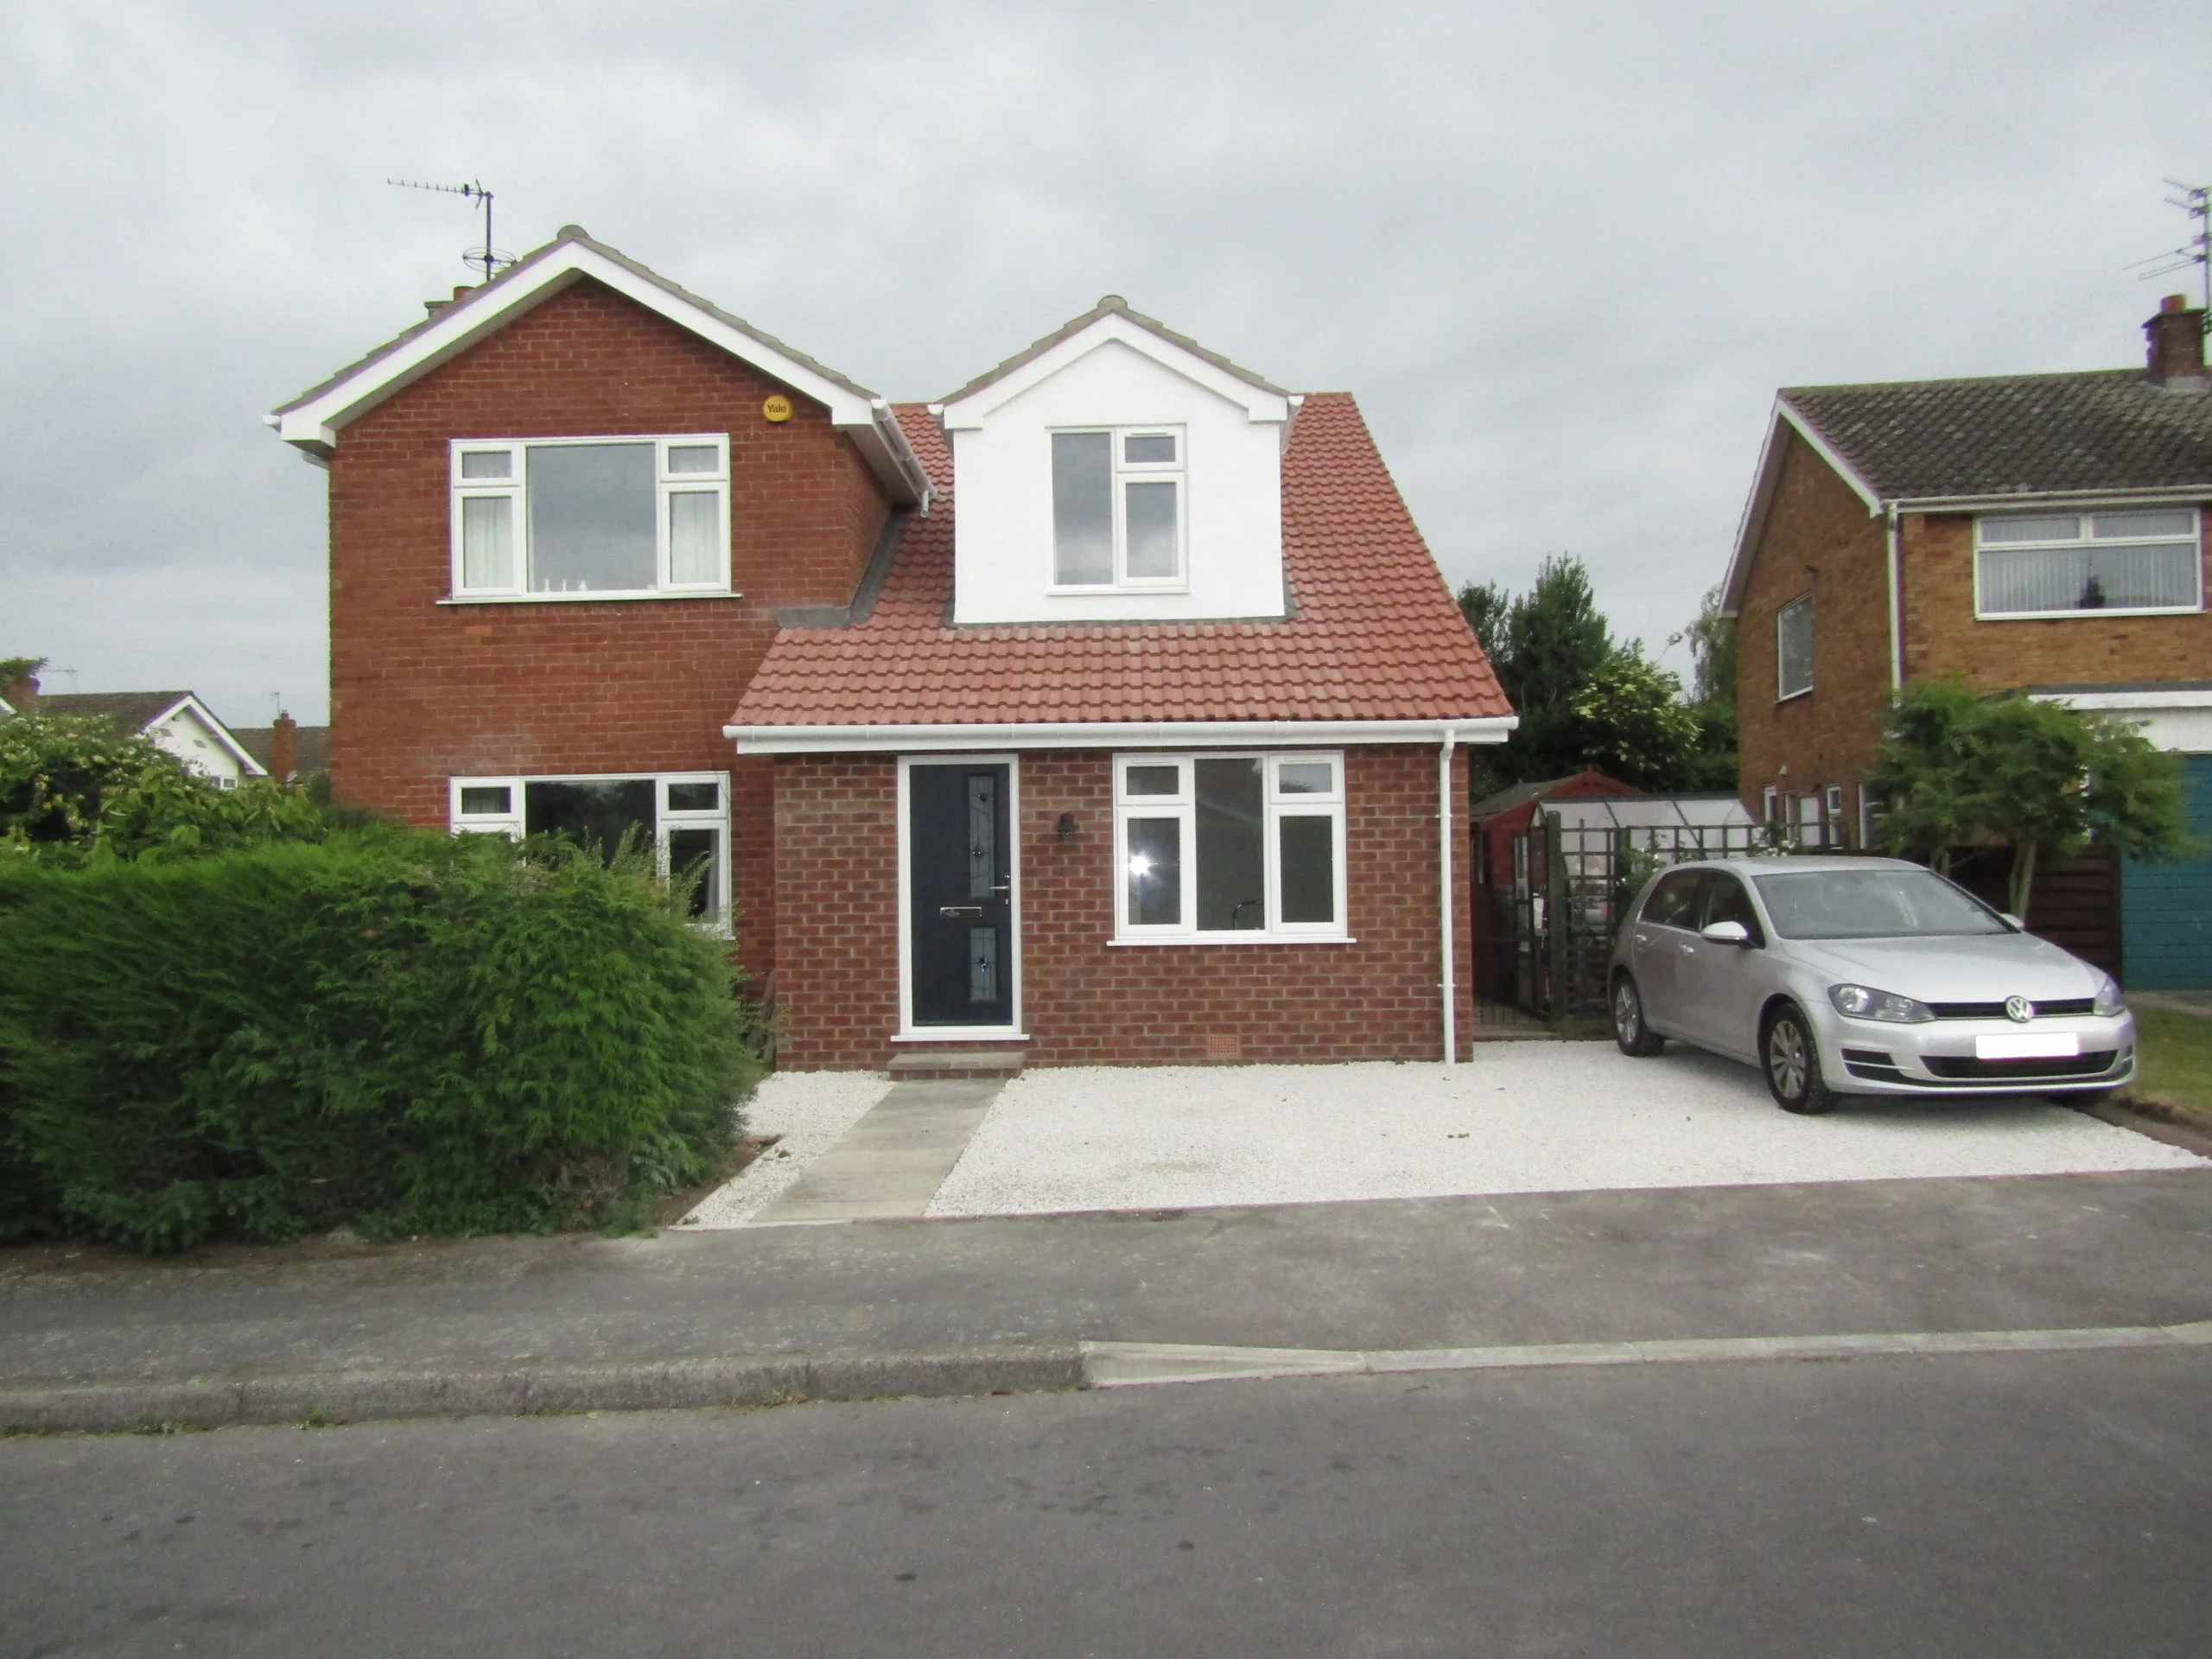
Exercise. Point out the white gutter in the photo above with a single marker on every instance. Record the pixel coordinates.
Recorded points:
(1109, 734)
(1445, 894)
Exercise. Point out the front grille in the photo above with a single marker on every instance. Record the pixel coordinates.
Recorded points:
(1965, 1069)
(2072, 1005)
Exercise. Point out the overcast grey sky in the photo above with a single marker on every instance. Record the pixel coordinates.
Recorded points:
(1563, 253)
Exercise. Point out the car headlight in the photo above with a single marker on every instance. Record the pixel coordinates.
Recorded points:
(2109, 1000)
(1864, 1002)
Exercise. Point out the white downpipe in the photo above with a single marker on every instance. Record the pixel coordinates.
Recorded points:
(1444, 894)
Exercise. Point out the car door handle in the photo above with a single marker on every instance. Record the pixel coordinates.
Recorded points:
(1686, 948)
(957, 912)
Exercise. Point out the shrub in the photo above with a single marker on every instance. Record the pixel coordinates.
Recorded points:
(397, 1031)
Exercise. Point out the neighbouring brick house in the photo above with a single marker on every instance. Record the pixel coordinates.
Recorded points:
(2043, 532)
(1148, 754)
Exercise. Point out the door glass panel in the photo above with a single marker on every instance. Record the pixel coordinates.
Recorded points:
(595, 813)
(1155, 872)
(1083, 508)
(1150, 520)
(691, 852)
(1309, 878)
(591, 517)
(982, 836)
(1232, 862)
(982, 965)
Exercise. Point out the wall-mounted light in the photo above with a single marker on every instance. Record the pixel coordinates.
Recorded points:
(1067, 826)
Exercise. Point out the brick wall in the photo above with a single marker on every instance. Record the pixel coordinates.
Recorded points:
(1828, 735)
(421, 692)
(1088, 1002)
(1942, 636)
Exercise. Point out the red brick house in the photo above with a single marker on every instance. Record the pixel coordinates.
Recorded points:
(2043, 532)
(1147, 753)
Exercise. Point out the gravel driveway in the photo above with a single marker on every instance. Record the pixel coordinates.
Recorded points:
(1520, 1117)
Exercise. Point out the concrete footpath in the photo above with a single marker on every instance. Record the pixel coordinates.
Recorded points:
(887, 1307)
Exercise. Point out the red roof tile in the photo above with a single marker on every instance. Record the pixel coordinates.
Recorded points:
(1375, 634)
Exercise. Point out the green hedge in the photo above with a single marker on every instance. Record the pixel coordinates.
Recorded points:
(400, 1033)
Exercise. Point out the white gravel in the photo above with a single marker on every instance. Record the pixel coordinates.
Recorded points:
(1520, 1117)
(809, 1110)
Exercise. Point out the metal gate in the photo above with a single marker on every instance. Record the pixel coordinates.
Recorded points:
(1572, 885)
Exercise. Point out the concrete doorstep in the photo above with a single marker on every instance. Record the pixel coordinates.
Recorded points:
(331, 1398)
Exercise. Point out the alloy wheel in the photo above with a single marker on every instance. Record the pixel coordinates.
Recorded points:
(1786, 1062)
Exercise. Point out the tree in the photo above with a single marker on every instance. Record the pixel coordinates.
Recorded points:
(1636, 726)
(1488, 609)
(1713, 649)
(2041, 777)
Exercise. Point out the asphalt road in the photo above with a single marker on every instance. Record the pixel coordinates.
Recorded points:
(2047, 1503)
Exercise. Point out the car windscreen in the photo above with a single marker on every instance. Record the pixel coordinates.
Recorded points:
(1880, 904)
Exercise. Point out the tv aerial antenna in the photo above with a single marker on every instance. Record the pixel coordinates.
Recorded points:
(491, 259)
(2195, 200)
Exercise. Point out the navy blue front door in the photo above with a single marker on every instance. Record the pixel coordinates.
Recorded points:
(960, 883)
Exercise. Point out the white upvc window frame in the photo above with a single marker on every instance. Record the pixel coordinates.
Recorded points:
(480, 818)
(1123, 472)
(1277, 805)
(1782, 693)
(514, 489)
(2084, 537)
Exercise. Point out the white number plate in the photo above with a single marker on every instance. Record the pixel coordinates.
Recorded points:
(2052, 1046)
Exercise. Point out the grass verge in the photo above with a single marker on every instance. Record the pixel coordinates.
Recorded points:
(2174, 1068)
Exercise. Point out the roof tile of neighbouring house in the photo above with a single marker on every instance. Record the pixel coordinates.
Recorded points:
(1374, 632)
(131, 710)
(2111, 429)
(310, 746)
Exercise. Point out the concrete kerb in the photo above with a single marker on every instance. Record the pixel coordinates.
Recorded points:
(676, 1385)
(671, 1385)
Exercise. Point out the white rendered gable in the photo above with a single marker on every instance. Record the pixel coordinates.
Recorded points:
(1111, 375)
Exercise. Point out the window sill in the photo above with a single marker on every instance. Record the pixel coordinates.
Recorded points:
(587, 599)
(1241, 938)
(2087, 615)
(963, 1034)
(1793, 696)
(1119, 590)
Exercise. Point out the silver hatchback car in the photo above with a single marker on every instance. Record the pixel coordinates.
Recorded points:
(1860, 976)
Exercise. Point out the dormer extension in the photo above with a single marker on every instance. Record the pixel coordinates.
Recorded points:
(314, 422)
(1117, 472)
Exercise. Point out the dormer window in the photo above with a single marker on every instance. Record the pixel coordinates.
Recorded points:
(1118, 508)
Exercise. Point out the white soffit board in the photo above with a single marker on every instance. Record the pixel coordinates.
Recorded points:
(970, 412)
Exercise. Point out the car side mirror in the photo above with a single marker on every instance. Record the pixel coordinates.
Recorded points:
(1726, 933)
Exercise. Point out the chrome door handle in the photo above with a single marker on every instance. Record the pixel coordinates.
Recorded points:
(956, 911)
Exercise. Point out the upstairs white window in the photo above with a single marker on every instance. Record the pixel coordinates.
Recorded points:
(590, 517)
(2064, 564)
(684, 817)
(1228, 849)
(1118, 511)
(1793, 649)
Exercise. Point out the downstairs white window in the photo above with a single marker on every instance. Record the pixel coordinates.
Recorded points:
(1228, 849)
(590, 517)
(684, 816)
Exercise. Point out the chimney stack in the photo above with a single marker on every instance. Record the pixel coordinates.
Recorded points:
(2177, 337)
(283, 748)
(22, 695)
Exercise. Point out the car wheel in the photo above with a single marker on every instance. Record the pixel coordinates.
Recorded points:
(1792, 1062)
(1628, 1030)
